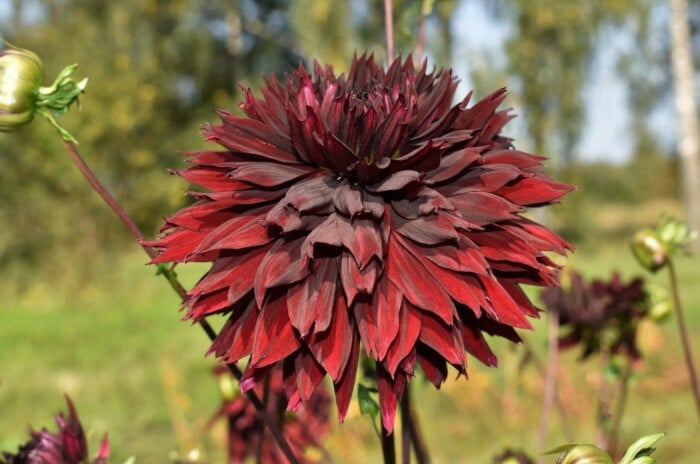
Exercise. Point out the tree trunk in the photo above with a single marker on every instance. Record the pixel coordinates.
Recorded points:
(686, 108)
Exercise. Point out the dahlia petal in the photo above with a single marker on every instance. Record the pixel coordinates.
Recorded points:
(433, 365)
(438, 336)
(246, 197)
(312, 194)
(344, 386)
(200, 216)
(390, 390)
(342, 157)
(309, 374)
(476, 345)
(252, 137)
(244, 231)
(282, 265)
(332, 348)
(410, 276)
(461, 288)
(357, 281)
(492, 327)
(388, 321)
(274, 335)
(268, 174)
(435, 229)
(482, 208)
(176, 246)
(463, 258)
(215, 158)
(494, 125)
(289, 379)
(362, 238)
(348, 200)
(453, 164)
(410, 321)
(500, 245)
(479, 114)
(535, 191)
(235, 340)
(515, 157)
(205, 304)
(502, 308)
(397, 181)
(366, 316)
(325, 233)
(211, 178)
(520, 298)
(308, 300)
(538, 235)
(490, 178)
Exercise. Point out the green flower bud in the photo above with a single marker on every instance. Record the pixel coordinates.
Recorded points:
(585, 454)
(21, 75)
(649, 250)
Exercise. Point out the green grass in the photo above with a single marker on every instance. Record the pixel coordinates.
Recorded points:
(116, 344)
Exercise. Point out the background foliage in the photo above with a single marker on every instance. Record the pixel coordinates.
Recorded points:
(158, 69)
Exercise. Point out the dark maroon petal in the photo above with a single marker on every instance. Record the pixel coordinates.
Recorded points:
(252, 137)
(362, 238)
(463, 258)
(268, 174)
(246, 231)
(491, 178)
(339, 157)
(515, 157)
(313, 297)
(388, 321)
(397, 181)
(309, 374)
(413, 280)
(436, 229)
(483, 208)
(348, 200)
(332, 348)
(274, 335)
(476, 345)
(410, 321)
(433, 365)
(502, 308)
(281, 266)
(453, 164)
(390, 390)
(535, 191)
(211, 178)
(346, 384)
(357, 281)
(235, 339)
(312, 194)
(441, 338)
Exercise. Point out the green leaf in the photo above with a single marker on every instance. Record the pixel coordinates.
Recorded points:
(368, 406)
(640, 449)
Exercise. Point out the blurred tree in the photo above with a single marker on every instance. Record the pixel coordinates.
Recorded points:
(157, 68)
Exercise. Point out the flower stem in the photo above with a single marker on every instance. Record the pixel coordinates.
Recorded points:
(684, 335)
(410, 433)
(389, 30)
(603, 403)
(388, 447)
(550, 379)
(616, 421)
(172, 279)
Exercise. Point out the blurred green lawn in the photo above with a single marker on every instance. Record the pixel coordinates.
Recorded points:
(136, 371)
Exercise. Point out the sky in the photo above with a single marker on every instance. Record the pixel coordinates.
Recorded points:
(605, 135)
(607, 123)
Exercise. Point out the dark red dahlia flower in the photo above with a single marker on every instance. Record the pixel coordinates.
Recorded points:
(67, 446)
(599, 314)
(368, 210)
(304, 429)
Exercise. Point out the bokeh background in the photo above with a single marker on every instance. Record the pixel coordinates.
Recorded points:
(80, 313)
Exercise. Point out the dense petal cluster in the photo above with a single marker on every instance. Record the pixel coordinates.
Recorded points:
(599, 314)
(67, 446)
(304, 429)
(363, 210)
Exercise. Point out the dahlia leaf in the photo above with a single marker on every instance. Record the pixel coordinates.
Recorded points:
(368, 406)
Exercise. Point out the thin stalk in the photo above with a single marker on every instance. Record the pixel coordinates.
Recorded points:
(405, 429)
(261, 424)
(550, 387)
(389, 30)
(684, 336)
(603, 403)
(388, 447)
(172, 279)
(410, 421)
(616, 421)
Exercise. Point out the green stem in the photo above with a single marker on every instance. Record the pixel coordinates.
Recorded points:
(550, 389)
(684, 335)
(172, 279)
(616, 421)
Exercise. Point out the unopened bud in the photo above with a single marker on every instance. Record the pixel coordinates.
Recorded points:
(649, 250)
(21, 75)
(585, 454)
